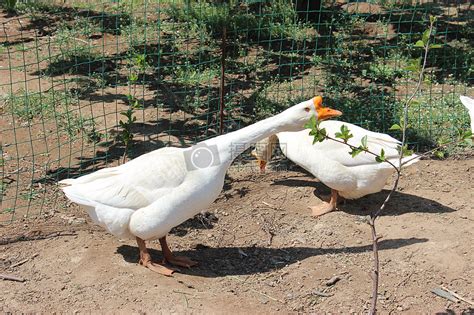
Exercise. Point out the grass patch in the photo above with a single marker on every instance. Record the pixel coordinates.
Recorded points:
(50, 106)
(191, 75)
(435, 120)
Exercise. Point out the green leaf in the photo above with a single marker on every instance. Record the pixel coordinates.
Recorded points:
(381, 158)
(414, 102)
(439, 154)
(364, 142)
(355, 151)
(133, 77)
(320, 136)
(467, 135)
(435, 46)
(433, 19)
(395, 127)
(426, 37)
(344, 134)
(311, 124)
(419, 44)
(413, 65)
(405, 151)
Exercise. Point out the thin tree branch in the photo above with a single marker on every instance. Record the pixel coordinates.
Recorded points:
(375, 237)
(364, 150)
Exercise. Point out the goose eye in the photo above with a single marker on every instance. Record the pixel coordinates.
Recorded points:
(306, 109)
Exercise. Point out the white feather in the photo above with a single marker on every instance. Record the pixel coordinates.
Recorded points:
(151, 194)
(332, 164)
(469, 104)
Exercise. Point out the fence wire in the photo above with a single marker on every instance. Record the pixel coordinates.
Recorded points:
(88, 84)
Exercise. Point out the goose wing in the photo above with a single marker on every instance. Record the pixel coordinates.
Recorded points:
(340, 152)
(133, 185)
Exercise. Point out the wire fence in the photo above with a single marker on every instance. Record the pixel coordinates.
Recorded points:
(87, 84)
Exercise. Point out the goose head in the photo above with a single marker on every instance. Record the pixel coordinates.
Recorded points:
(297, 116)
(263, 151)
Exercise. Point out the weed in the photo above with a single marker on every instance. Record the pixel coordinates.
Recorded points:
(8, 210)
(3, 189)
(432, 120)
(137, 66)
(275, 19)
(48, 106)
(192, 75)
(27, 106)
(9, 5)
(30, 195)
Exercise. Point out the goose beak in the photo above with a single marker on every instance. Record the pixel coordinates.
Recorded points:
(262, 165)
(324, 112)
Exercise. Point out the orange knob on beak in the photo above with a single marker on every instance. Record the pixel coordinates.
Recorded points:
(324, 112)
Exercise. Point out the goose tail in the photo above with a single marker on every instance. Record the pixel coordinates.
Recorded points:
(469, 104)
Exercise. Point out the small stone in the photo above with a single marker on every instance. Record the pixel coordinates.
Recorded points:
(333, 281)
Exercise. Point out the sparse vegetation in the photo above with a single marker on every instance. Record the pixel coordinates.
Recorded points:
(148, 73)
(51, 106)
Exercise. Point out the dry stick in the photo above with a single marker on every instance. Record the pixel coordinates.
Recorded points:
(264, 294)
(20, 238)
(11, 278)
(373, 217)
(458, 296)
(21, 262)
(222, 82)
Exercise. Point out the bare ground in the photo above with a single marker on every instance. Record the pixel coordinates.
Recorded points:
(260, 251)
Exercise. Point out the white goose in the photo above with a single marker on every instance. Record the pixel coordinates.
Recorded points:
(469, 104)
(331, 163)
(148, 196)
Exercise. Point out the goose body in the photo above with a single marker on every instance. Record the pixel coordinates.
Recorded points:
(469, 104)
(331, 163)
(148, 196)
(144, 197)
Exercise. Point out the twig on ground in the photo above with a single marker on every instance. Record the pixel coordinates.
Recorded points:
(11, 278)
(21, 262)
(320, 293)
(458, 296)
(261, 293)
(269, 205)
(22, 238)
(404, 280)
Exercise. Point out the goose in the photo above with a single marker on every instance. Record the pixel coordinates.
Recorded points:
(331, 163)
(146, 197)
(469, 104)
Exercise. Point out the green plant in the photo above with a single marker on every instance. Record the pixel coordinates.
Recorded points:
(137, 66)
(28, 106)
(9, 5)
(8, 210)
(192, 75)
(30, 195)
(433, 120)
(51, 105)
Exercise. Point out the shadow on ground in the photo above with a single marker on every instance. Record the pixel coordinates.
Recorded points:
(225, 261)
(400, 202)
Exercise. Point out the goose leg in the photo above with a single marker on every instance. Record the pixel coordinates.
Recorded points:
(327, 206)
(172, 259)
(145, 260)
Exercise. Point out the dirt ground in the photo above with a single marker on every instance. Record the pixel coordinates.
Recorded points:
(260, 251)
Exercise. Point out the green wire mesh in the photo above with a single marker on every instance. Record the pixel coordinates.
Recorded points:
(79, 77)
